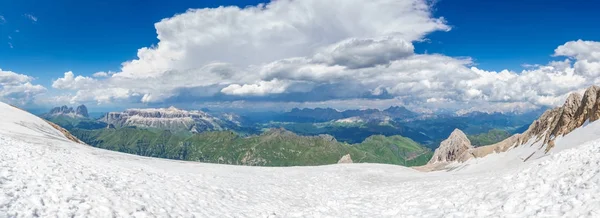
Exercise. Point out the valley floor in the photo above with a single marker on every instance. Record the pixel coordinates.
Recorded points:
(44, 175)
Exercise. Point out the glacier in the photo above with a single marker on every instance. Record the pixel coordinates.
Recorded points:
(43, 174)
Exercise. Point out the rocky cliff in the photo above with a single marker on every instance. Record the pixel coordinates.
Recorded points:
(574, 113)
(452, 148)
(164, 118)
(346, 159)
(80, 111)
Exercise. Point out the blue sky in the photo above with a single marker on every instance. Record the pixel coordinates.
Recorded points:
(507, 34)
(83, 36)
(86, 37)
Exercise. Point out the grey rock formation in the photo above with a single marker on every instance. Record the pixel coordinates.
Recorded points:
(346, 159)
(164, 118)
(574, 113)
(81, 111)
(452, 148)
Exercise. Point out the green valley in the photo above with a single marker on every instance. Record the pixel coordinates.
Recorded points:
(275, 147)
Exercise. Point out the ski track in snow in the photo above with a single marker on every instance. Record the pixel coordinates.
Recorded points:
(43, 176)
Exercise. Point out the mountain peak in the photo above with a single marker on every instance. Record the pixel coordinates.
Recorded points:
(80, 111)
(171, 118)
(574, 113)
(452, 148)
(346, 159)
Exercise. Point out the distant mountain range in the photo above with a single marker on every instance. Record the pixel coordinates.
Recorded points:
(308, 115)
(222, 138)
(80, 111)
(363, 135)
(165, 118)
(350, 126)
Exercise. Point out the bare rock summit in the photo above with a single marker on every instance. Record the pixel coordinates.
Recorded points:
(452, 148)
(345, 159)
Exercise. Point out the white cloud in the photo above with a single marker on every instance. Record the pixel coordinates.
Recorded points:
(12, 78)
(103, 74)
(17, 88)
(31, 17)
(363, 53)
(69, 81)
(262, 88)
(324, 50)
(228, 46)
(2, 20)
(581, 50)
(100, 74)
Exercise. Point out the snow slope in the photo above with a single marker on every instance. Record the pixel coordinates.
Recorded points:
(42, 174)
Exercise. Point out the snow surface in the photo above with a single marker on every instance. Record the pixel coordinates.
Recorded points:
(44, 175)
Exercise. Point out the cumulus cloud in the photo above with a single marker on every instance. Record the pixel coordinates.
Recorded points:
(363, 53)
(2, 19)
(262, 88)
(315, 50)
(17, 88)
(580, 50)
(102, 74)
(242, 49)
(72, 82)
(12, 78)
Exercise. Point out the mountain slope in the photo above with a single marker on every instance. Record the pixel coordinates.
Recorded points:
(43, 174)
(488, 138)
(576, 112)
(276, 147)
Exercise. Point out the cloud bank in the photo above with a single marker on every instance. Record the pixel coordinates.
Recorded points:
(314, 50)
(17, 88)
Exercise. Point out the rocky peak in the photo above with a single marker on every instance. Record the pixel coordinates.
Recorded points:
(171, 118)
(64, 110)
(82, 110)
(556, 122)
(568, 118)
(589, 105)
(345, 159)
(452, 148)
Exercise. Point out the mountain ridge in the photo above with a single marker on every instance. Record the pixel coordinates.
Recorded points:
(171, 118)
(79, 111)
(576, 112)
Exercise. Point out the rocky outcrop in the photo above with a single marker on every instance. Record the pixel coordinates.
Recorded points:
(80, 111)
(346, 159)
(164, 118)
(574, 113)
(66, 133)
(452, 148)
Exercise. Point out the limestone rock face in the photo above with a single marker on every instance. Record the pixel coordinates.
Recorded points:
(586, 110)
(164, 118)
(81, 111)
(452, 148)
(574, 113)
(345, 159)
(568, 118)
